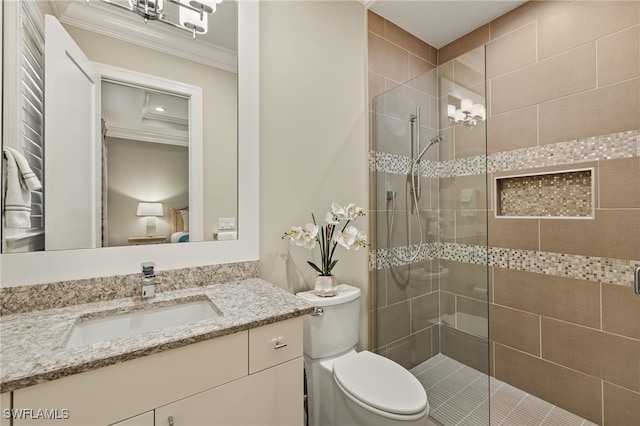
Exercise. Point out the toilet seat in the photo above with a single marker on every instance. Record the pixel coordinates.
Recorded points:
(380, 385)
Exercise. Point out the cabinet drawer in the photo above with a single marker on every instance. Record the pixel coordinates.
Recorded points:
(274, 344)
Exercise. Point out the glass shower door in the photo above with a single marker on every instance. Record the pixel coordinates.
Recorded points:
(431, 312)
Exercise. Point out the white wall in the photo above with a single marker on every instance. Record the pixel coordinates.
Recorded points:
(313, 148)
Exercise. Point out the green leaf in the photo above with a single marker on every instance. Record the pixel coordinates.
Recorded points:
(332, 265)
(314, 266)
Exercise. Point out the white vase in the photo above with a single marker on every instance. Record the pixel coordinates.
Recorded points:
(326, 286)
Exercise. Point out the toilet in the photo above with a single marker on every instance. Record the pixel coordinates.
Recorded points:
(346, 387)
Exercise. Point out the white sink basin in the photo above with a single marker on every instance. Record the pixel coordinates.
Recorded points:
(86, 332)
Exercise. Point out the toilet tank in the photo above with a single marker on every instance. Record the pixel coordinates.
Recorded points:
(335, 330)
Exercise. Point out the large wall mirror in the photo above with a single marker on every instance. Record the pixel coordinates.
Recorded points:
(228, 81)
(139, 145)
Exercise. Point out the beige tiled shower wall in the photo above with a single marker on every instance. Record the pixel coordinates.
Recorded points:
(562, 75)
(403, 313)
(395, 56)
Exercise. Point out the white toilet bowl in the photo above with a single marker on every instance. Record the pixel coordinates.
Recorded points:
(373, 390)
(346, 387)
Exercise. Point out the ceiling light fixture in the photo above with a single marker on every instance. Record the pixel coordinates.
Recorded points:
(468, 114)
(192, 17)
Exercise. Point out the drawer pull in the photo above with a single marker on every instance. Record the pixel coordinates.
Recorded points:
(280, 345)
(170, 420)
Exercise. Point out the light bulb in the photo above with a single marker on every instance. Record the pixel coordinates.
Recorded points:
(477, 111)
(466, 105)
(451, 111)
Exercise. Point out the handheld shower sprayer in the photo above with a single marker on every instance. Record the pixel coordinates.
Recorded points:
(415, 165)
(433, 141)
(415, 186)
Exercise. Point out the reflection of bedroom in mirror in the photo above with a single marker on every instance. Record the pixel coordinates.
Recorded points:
(146, 166)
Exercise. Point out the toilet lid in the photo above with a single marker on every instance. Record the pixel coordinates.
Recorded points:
(381, 383)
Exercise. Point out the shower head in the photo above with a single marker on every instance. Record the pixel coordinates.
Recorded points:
(436, 139)
(432, 141)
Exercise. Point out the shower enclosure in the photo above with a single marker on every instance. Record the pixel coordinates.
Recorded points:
(430, 310)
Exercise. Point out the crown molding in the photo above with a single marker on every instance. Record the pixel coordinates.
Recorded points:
(150, 35)
(148, 115)
(143, 136)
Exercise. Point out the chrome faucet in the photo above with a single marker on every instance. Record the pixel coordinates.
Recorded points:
(148, 287)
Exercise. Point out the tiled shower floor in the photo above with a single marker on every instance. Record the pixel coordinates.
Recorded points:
(458, 396)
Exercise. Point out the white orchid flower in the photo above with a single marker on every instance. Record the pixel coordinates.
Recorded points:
(350, 212)
(311, 230)
(339, 211)
(297, 236)
(331, 218)
(347, 238)
(289, 235)
(361, 241)
(310, 233)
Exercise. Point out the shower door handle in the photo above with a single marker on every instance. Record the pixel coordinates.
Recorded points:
(636, 280)
(417, 171)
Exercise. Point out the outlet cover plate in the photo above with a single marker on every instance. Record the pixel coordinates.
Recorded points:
(227, 223)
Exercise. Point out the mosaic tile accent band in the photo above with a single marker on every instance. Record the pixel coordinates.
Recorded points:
(399, 164)
(467, 166)
(604, 147)
(589, 268)
(384, 258)
(389, 257)
(26, 298)
(561, 194)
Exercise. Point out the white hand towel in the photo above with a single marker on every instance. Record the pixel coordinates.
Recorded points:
(20, 181)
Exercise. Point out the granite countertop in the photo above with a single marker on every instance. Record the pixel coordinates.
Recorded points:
(33, 350)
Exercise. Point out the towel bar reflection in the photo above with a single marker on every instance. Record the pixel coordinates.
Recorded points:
(636, 280)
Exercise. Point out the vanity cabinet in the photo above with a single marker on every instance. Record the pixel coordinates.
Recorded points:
(5, 404)
(249, 377)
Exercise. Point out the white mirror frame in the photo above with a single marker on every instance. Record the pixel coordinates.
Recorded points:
(41, 267)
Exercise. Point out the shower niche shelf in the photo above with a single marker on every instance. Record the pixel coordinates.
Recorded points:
(567, 194)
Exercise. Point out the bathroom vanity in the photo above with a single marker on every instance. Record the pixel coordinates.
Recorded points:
(244, 366)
